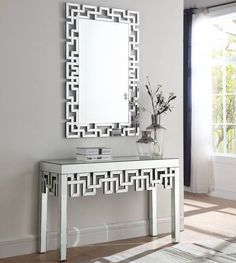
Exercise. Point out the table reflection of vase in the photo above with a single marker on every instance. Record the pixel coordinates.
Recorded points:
(158, 134)
(145, 145)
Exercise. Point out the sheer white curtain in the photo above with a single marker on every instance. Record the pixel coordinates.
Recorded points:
(201, 177)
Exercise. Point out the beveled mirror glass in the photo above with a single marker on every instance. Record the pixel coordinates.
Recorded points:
(104, 54)
(101, 71)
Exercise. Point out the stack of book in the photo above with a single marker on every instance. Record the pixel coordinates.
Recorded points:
(93, 153)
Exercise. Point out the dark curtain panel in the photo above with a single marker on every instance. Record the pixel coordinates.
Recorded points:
(187, 95)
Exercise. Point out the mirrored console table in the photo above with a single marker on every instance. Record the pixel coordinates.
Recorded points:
(71, 178)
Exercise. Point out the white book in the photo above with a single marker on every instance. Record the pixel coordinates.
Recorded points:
(93, 150)
(106, 151)
(82, 157)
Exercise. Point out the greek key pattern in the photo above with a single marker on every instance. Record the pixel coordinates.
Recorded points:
(86, 184)
(74, 12)
(50, 181)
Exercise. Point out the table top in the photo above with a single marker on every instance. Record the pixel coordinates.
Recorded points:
(113, 159)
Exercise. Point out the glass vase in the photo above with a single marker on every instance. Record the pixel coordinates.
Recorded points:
(145, 145)
(158, 135)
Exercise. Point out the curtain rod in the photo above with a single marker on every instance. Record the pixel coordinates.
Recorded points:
(213, 6)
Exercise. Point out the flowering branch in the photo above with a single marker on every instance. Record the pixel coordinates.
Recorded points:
(159, 103)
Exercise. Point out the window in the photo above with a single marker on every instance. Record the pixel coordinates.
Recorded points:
(224, 84)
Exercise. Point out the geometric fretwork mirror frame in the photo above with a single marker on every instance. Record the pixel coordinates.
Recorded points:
(74, 12)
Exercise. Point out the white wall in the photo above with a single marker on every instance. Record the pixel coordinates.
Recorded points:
(224, 179)
(32, 120)
(203, 3)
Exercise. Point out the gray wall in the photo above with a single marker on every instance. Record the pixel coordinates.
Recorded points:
(32, 111)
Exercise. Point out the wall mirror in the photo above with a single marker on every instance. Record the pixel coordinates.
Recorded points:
(101, 71)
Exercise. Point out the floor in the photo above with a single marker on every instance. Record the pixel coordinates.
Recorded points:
(206, 218)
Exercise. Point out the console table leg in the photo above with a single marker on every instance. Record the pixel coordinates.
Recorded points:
(153, 212)
(175, 222)
(43, 202)
(62, 209)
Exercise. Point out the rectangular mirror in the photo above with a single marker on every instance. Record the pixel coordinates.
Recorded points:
(101, 71)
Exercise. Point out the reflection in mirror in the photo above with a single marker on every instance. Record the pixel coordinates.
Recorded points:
(101, 71)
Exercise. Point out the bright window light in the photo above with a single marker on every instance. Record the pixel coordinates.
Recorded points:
(223, 31)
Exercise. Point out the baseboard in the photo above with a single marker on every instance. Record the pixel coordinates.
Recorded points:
(18, 246)
(84, 236)
(223, 193)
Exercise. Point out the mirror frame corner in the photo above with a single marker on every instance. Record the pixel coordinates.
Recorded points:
(74, 12)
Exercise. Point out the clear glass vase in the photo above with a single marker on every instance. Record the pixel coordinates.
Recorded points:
(145, 145)
(158, 135)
